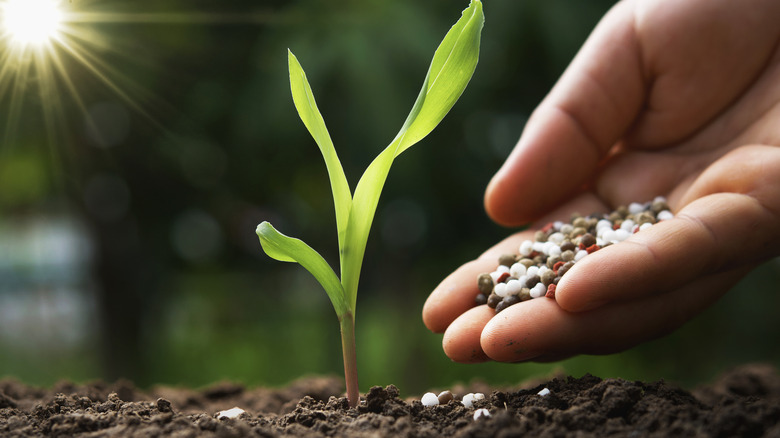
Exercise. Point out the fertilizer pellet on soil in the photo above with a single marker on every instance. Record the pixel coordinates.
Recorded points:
(537, 267)
(230, 413)
(445, 397)
(469, 399)
(429, 399)
(481, 413)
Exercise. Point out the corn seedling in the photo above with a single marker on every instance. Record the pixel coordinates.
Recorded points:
(451, 69)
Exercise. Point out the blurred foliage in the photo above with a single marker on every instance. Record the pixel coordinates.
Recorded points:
(188, 138)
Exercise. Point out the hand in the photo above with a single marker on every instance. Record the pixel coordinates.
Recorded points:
(680, 99)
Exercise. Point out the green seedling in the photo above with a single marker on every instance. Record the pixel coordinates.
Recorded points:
(451, 69)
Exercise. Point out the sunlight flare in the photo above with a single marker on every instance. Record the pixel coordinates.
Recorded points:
(31, 22)
(49, 50)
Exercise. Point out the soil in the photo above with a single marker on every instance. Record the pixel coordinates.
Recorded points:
(743, 402)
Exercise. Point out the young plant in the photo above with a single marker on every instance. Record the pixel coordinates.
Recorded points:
(450, 71)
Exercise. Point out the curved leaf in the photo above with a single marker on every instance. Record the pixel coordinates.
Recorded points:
(311, 117)
(288, 249)
(451, 70)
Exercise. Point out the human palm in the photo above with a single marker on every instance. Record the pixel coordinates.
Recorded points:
(680, 99)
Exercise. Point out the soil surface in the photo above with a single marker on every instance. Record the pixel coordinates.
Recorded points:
(743, 402)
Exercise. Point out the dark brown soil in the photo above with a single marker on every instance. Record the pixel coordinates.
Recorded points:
(744, 402)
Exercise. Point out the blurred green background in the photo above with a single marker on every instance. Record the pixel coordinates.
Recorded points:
(133, 174)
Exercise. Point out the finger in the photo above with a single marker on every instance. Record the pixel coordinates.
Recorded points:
(701, 55)
(730, 220)
(461, 341)
(540, 330)
(456, 293)
(590, 108)
(753, 170)
(636, 176)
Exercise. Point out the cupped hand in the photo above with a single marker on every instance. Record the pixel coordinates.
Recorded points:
(680, 99)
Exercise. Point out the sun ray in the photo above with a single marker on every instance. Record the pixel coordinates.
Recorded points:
(53, 111)
(104, 73)
(18, 86)
(59, 67)
(71, 45)
(171, 18)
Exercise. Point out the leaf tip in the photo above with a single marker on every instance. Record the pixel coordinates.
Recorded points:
(476, 5)
(262, 226)
(291, 59)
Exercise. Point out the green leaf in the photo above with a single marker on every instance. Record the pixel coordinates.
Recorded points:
(288, 249)
(311, 117)
(451, 70)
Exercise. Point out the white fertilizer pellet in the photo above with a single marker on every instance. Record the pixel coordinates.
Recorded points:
(526, 247)
(469, 399)
(517, 270)
(665, 215)
(556, 238)
(543, 392)
(230, 413)
(513, 287)
(538, 291)
(430, 399)
(481, 413)
(635, 208)
(621, 234)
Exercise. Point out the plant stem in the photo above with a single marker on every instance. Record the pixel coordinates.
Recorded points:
(347, 322)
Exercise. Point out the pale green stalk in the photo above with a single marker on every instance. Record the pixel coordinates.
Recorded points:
(451, 69)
